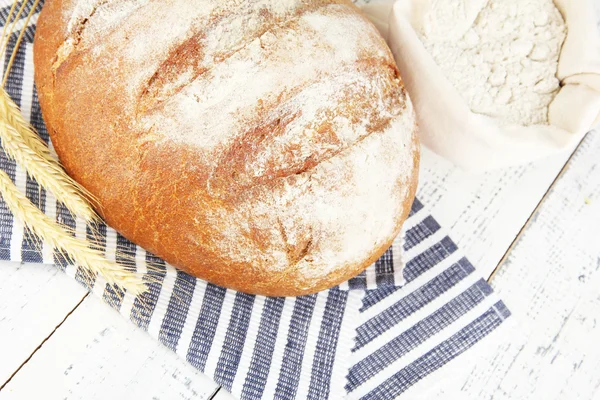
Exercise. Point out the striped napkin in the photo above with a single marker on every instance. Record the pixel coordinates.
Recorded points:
(374, 337)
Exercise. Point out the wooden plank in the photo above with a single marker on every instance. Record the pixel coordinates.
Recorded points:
(222, 394)
(485, 212)
(97, 354)
(550, 282)
(34, 299)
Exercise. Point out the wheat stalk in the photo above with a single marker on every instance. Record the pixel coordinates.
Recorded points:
(57, 237)
(19, 39)
(22, 144)
(8, 18)
(12, 26)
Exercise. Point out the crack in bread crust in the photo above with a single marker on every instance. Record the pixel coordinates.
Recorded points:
(187, 57)
(71, 42)
(236, 170)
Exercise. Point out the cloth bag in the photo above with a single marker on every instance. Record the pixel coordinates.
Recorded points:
(477, 142)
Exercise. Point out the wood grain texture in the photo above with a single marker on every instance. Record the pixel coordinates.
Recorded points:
(485, 212)
(551, 282)
(96, 354)
(222, 394)
(34, 299)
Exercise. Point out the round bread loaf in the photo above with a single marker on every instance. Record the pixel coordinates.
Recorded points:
(263, 145)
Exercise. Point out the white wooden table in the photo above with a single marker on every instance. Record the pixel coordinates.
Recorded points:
(534, 230)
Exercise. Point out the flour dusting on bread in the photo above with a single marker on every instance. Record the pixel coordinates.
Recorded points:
(263, 145)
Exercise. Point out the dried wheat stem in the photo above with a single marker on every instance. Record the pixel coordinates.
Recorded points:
(23, 145)
(10, 113)
(6, 38)
(31, 138)
(7, 22)
(77, 249)
(18, 43)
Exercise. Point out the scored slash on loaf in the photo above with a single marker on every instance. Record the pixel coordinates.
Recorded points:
(265, 146)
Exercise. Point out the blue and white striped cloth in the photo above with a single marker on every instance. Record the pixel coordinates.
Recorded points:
(367, 339)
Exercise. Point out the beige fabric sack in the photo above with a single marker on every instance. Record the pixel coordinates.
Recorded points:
(477, 142)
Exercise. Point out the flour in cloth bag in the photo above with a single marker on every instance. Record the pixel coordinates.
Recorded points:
(500, 55)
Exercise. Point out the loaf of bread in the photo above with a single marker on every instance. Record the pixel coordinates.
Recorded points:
(263, 145)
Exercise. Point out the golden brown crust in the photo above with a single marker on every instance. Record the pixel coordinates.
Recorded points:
(234, 210)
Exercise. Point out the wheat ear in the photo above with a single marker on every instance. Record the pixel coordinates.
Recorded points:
(23, 145)
(37, 160)
(57, 237)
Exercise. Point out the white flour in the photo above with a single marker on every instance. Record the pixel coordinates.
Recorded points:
(500, 55)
